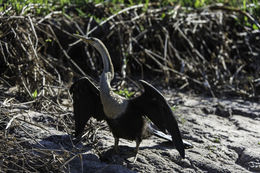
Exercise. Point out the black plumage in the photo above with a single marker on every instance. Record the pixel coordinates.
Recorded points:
(86, 104)
(133, 125)
(127, 118)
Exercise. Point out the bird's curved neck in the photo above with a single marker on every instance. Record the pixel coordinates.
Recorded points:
(113, 104)
(108, 69)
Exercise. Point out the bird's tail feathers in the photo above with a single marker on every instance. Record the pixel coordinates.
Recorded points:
(159, 134)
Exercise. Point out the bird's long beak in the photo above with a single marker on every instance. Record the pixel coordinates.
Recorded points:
(83, 38)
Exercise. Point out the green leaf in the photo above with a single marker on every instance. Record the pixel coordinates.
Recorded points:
(217, 140)
(173, 108)
(163, 15)
(255, 27)
(125, 93)
(244, 4)
(34, 94)
(48, 40)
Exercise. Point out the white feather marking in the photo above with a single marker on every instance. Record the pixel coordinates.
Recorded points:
(113, 104)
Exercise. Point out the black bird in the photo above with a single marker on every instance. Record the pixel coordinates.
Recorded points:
(127, 118)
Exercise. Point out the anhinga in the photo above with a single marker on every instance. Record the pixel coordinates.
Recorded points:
(127, 118)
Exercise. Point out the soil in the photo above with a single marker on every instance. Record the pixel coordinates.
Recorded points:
(225, 134)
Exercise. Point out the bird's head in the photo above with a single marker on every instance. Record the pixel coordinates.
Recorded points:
(91, 40)
(108, 66)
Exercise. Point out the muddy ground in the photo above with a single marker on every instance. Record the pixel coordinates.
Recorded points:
(225, 134)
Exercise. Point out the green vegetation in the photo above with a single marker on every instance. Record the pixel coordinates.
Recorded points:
(181, 119)
(211, 148)
(173, 108)
(125, 93)
(45, 6)
(217, 140)
(34, 94)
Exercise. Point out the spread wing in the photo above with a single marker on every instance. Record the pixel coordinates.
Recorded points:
(155, 107)
(86, 104)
